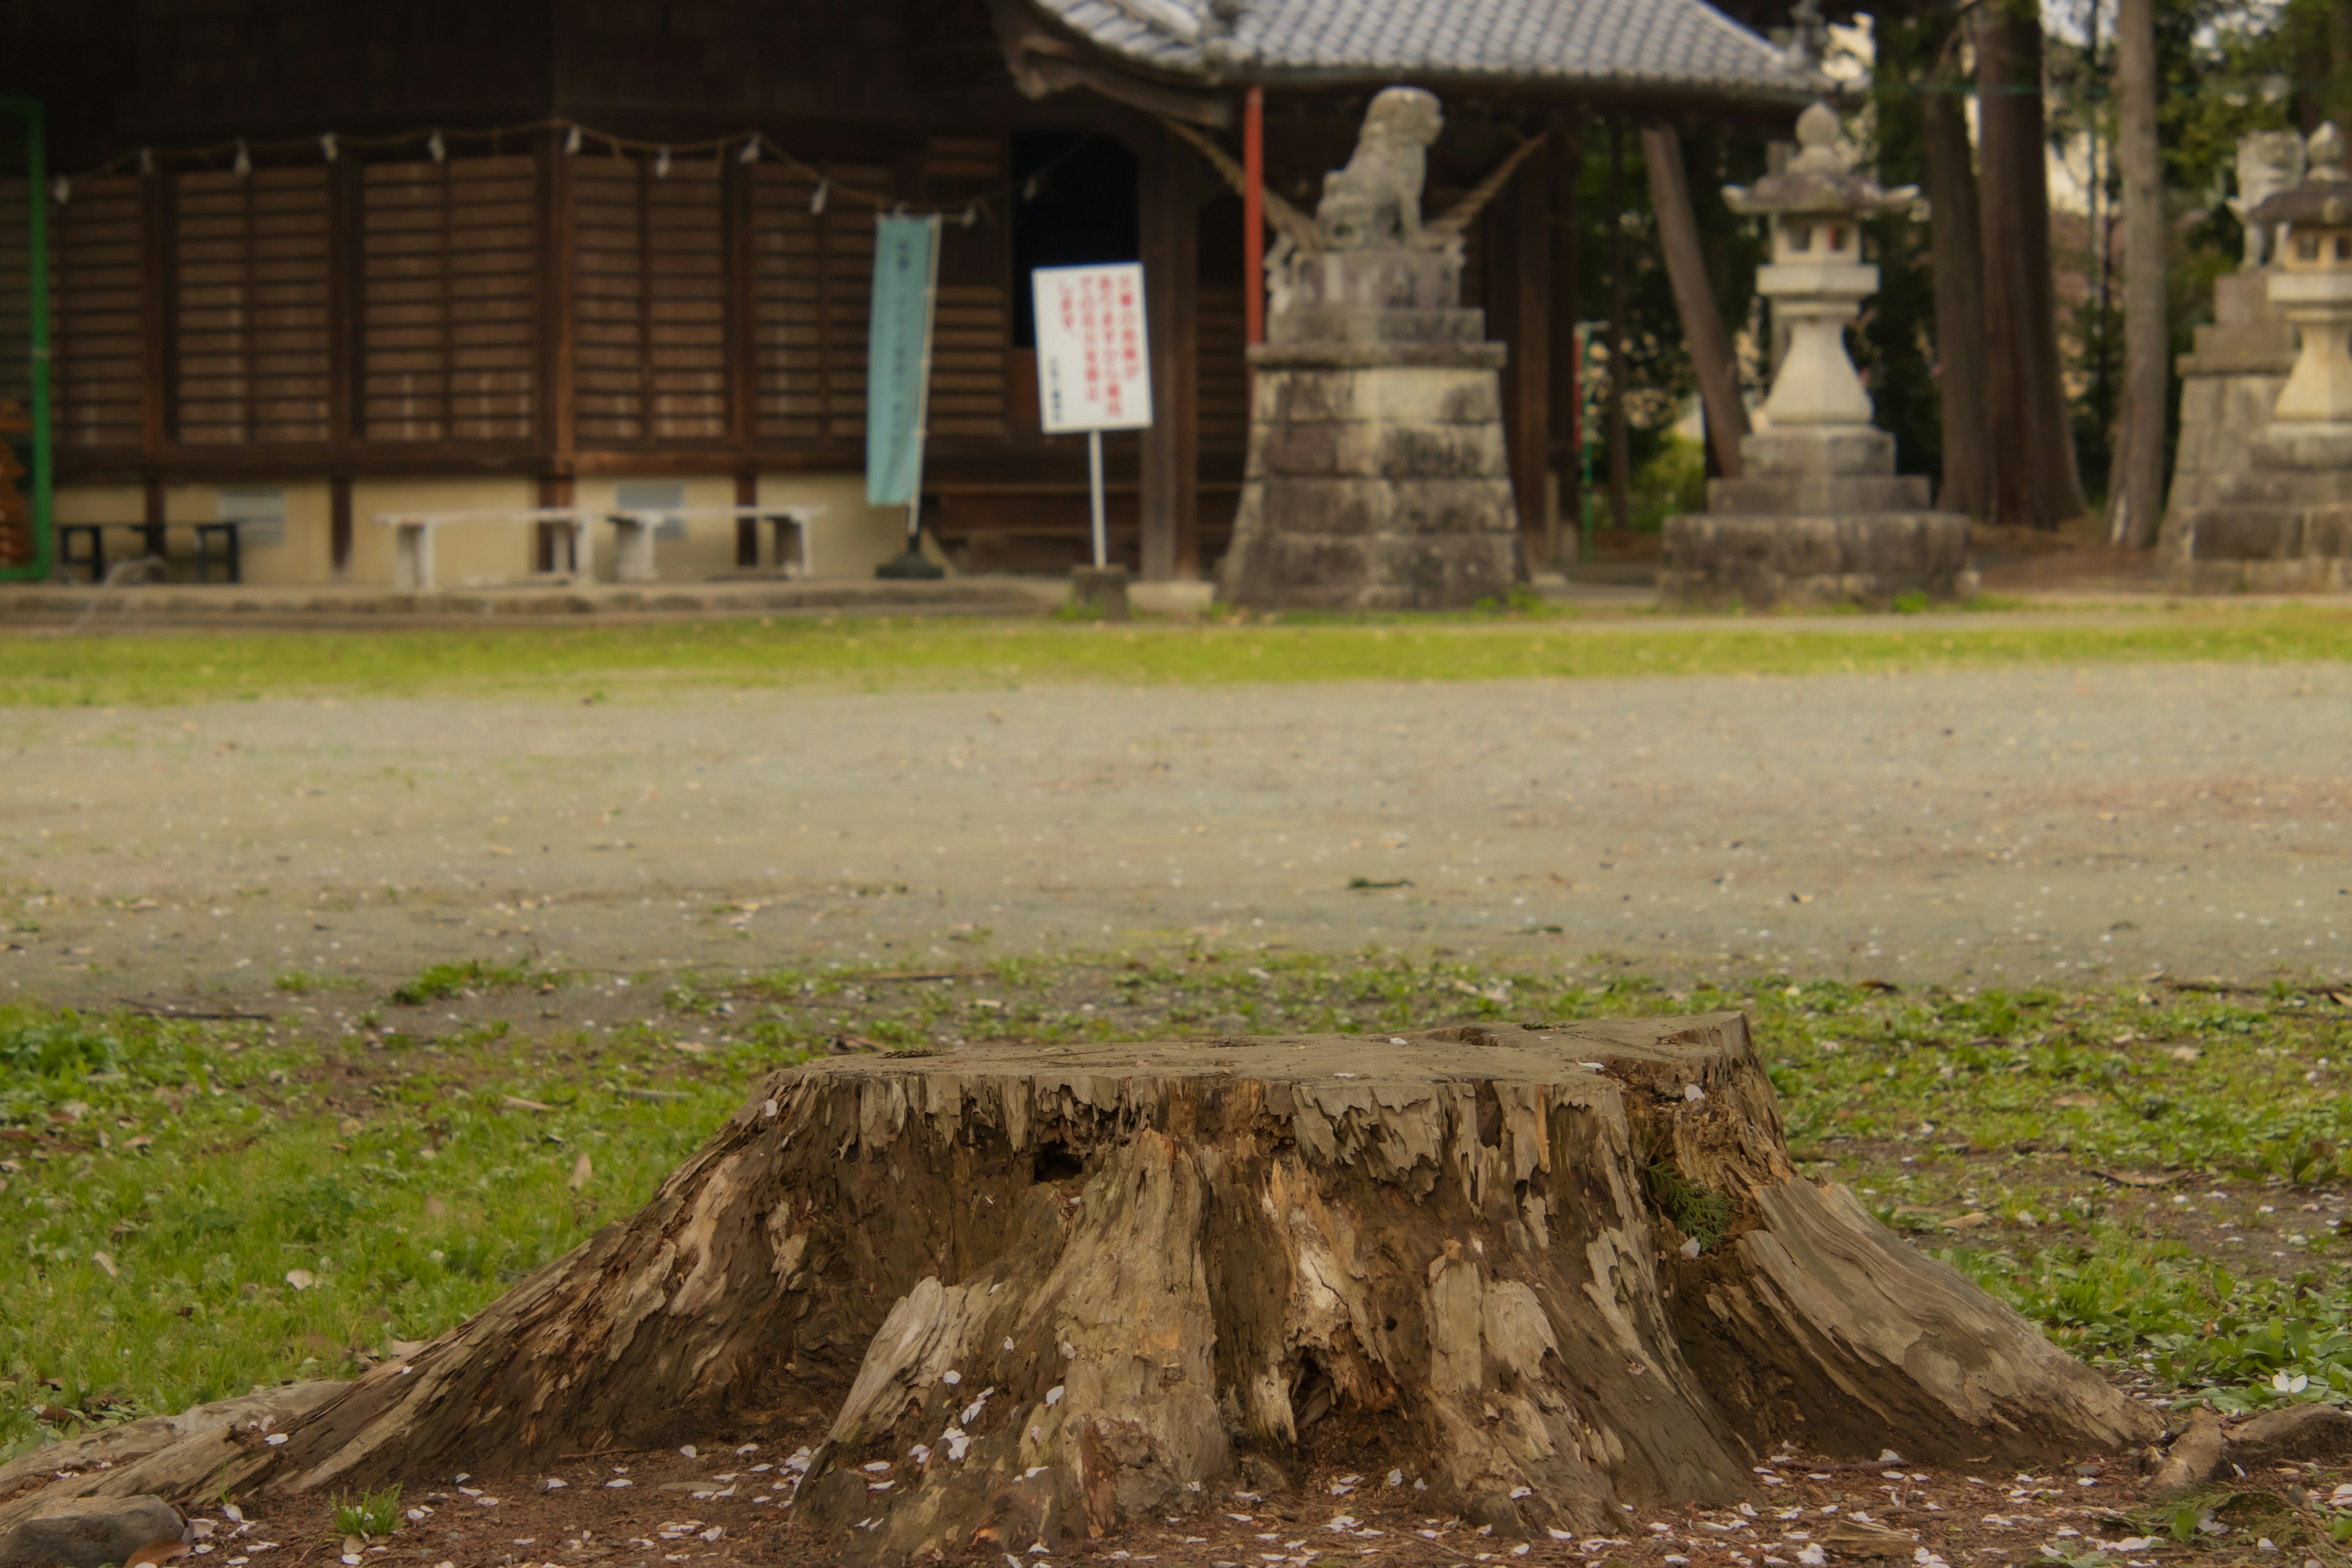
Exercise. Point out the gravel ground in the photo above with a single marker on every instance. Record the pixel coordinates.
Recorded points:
(726, 1506)
(1990, 827)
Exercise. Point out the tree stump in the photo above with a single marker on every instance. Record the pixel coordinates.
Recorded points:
(1548, 1269)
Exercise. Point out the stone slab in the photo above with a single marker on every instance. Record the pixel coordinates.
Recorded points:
(1801, 451)
(1371, 572)
(1821, 495)
(1341, 324)
(1766, 561)
(1343, 505)
(1377, 356)
(1381, 449)
(1401, 278)
(1423, 394)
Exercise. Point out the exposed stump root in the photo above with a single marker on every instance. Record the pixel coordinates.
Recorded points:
(1547, 1269)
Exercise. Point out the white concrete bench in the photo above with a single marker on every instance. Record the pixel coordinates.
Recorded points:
(633, 535)
(413, 543)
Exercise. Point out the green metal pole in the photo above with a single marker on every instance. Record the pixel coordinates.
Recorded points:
(36, 239)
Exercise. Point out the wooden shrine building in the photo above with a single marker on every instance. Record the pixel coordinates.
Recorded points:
(312, 262)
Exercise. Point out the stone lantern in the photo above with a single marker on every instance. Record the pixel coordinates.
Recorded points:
(2311, 423)
(2285, 522)
(1818, 514)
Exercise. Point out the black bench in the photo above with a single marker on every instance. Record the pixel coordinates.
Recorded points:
(215, 541)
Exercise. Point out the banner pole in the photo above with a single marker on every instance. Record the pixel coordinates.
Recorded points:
(923, 394)
(1094, 473)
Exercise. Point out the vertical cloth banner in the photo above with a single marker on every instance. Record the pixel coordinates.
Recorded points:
(899, 357)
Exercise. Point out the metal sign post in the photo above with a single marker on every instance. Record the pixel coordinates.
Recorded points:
(1094, 364)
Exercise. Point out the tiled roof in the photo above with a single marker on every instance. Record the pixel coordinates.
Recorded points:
(1627, 45)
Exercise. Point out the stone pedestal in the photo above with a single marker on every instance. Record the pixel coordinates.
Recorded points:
(1376, 475)
(2228, 384)
(1819, 516)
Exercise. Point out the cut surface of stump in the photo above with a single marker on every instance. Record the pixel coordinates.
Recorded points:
(1549, 1270)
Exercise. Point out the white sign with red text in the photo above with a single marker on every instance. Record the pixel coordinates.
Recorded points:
(1094, 367)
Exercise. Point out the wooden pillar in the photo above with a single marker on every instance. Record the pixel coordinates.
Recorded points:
(344, 245)
(1254, 216)
(1526, 375)
(158, 421)
(747, 529)
(1565, 168)
(339, 525)
(556, 434)
(1171, 445)
(1621, 443)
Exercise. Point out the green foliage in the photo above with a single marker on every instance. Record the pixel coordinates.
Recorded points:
(59, 1049)
(371, 1514)
(445, 980)
(1697, 1210)
(1672, 481)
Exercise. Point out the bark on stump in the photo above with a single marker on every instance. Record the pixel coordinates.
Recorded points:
(1548, 1269)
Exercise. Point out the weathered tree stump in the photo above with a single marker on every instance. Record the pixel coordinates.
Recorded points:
(1547, 1269)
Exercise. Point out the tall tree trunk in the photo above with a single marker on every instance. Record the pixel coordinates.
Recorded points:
(2035, 481)
(1958, 256)
(1555, 1271)
(2137, 504)
(1710, 348)
(1620, 440)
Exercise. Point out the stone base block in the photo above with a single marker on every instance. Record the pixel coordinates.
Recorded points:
(1378, 449)
(2312, 448)
(1372, 485)
(1288, 570)
(2265, 535)
(1300, 504)
(1814, 451)
(1428, 396)
(1819, 495)
(1868, 559)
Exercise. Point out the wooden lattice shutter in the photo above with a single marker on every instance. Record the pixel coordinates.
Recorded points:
(252, 306)
(651, 302)
(448, 304)
(813, 276)
(972, 330)
(94, 321)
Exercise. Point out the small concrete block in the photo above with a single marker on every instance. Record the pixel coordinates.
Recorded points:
(1102, 589)
(86, 1533)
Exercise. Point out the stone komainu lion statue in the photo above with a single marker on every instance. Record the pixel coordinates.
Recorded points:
(1376, 199)
(2268, 162)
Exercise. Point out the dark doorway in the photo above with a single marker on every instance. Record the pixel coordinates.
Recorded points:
(1073, 200)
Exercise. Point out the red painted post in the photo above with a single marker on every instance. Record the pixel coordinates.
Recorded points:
(1254, 216)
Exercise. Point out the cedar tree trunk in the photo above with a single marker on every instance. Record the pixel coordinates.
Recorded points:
(2138, 505)
(1547, 1269)
(1958, 248)
(2035, 481)
(1710, 349)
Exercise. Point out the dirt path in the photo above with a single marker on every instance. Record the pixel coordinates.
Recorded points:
(1993, 827)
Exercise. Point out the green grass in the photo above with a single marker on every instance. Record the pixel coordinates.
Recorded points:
(371, 1514)
(599, 663)
(164, 1179)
